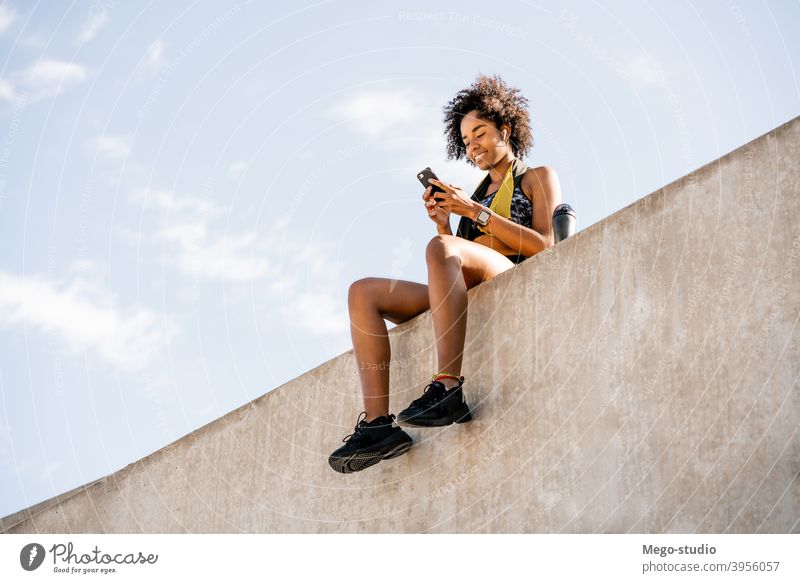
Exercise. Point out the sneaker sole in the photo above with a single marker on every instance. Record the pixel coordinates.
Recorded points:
(362, 461)
(439, 422)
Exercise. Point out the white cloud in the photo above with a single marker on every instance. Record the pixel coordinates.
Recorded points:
(644, 71)
(154, 60)
(283, 285)
(7, 92)
(305, 285)
(378, 114)
(317, 312)
(50, 72)
(194, 249)
(43, 79)
(110, 147)
(7, 17)
(85, 319)
(47, 78)
(231, 258)
(168, 200)
(98, 18)
(185, 234)
(385, 117)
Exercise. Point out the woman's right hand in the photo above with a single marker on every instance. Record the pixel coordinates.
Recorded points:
(436, 213)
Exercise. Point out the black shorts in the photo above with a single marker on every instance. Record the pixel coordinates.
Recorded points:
(516, 258)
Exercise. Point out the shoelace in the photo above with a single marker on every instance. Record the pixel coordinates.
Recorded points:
(358, 428)
(428, 397)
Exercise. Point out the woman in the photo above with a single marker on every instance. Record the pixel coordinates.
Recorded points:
(507, 220)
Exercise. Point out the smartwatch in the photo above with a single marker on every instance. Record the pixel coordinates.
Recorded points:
(483, 217)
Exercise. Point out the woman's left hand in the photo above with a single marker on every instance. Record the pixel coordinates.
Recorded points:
(454, 199)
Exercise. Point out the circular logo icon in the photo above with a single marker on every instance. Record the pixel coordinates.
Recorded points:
(31, 556)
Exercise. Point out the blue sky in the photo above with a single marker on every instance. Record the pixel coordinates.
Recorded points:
(187, 190)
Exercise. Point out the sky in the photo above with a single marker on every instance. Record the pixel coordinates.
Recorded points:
(187, 190)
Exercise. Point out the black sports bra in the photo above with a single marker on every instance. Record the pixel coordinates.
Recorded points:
(521, 206)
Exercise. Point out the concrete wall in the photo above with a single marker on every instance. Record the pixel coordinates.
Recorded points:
(641, 376)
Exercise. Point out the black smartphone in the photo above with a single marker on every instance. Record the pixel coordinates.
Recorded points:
(425, 176)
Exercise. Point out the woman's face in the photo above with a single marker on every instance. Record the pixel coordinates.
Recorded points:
(481, 138)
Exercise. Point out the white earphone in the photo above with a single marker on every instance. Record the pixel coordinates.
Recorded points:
(503, 143)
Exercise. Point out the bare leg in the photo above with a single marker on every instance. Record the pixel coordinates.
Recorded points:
(447, 291)
(454, 266)
(371, 300)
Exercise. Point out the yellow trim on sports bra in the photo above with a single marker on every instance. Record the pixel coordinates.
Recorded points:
(501, 204)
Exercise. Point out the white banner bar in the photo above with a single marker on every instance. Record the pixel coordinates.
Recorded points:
(389, 558)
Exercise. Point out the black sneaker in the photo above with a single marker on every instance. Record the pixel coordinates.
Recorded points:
(380, 439)
(436, 407)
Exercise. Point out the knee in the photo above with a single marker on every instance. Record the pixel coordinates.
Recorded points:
(360, 292)
(441, 246)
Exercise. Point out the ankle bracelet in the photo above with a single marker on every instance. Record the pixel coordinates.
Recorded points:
(444, 375)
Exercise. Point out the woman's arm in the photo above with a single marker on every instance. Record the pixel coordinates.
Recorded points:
(545, 192)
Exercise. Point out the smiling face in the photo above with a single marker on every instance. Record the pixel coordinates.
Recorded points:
(483, 140)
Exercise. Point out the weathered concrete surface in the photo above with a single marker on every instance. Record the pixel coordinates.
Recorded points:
(640, 376)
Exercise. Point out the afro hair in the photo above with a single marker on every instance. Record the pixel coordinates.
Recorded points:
(494, 101)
